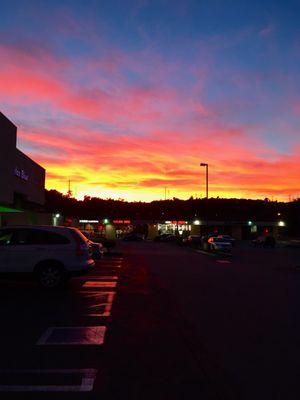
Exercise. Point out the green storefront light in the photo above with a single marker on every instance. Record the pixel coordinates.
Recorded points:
(9, 210)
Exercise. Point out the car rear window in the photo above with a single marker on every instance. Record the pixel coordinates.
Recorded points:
(75, 232)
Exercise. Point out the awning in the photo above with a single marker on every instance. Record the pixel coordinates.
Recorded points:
(9, 210)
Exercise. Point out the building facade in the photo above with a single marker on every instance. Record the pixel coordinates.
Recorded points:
(22, 180)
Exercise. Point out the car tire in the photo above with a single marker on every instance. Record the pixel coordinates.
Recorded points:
(51, 275)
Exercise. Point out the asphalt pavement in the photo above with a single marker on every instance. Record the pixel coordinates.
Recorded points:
(159, 321)
(237, 315)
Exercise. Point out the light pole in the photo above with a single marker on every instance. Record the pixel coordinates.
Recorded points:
(206, 166)
(206, 202)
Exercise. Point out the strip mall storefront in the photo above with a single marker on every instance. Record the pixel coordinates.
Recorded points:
(174, 227)
(107, 228)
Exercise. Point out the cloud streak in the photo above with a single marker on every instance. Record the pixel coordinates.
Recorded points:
(123, 122)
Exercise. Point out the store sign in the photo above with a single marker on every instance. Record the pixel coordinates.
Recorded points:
(122, 221)
(88, 221)
(20, 173)
(179, 222)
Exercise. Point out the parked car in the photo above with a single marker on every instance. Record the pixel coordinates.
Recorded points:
(228, 238)
(172, 238)
(264, 241)
(166, 237)
(205, 239)
(218, 244)
(97, 250)
(161, 238)
(107, 244)
(134, 237)
(49, 254)
(192, 240)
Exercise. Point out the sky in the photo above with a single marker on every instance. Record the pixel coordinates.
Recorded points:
(126, 98)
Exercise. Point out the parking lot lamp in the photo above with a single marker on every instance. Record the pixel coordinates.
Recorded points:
(206, 202)
(206, 166)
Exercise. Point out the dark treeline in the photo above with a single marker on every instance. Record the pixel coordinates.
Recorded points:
(176, 209)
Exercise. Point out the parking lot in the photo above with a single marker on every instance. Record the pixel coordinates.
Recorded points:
(157, 319)
(52, 340)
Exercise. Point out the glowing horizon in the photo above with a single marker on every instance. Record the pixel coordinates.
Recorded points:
(127, 99)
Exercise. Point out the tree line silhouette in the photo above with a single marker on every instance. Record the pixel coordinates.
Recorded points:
(218, 209)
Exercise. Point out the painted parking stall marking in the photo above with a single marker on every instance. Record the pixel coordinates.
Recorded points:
(101, 308)
(104, 278)
(48, 380)
(94, 299)
(224, 261)
(75, 335)
(99, 284)
(97, 304)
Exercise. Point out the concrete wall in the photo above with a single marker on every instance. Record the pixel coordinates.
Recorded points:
(8, 139)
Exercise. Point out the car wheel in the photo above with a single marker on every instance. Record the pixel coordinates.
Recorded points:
(51, 275)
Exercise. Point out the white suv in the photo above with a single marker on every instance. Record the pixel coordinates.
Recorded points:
(51, 253)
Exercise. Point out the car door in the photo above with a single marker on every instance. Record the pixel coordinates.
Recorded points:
(23, 250)
(5, 253)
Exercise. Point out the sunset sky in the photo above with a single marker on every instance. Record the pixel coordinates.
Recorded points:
(126, 98)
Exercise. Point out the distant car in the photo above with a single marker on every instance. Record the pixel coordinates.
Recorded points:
(51, 254)
(97, 250)
(96, 247)
(228, 238)
(166, 237)
(107, 244)
(134, 237)
(264, 241)
(161, 238)
(171, 238)
(205, 238)
(193, 240)
(219, 244)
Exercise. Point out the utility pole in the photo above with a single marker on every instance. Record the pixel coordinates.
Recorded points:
(69, 193)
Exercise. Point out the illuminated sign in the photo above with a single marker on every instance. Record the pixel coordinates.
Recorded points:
(122, 221)
(179, 222)
(88, 221)
(20, 173)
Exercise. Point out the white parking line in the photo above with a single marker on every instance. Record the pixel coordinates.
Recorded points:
(207, 253)
(96, 284)
(103, 277)
(102, 306)
(86, 385)
(75, 335)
